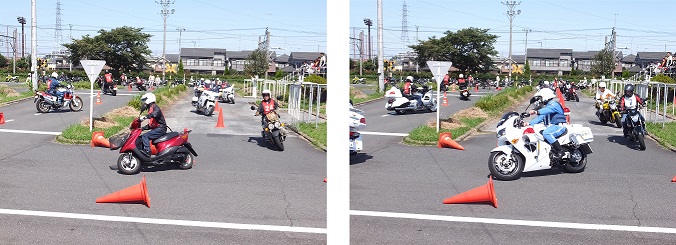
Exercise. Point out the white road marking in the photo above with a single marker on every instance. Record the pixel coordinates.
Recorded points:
(205, 224)
(28, 132)
(382, 134)
(535, 223)
(385, 115)
(10, 120)
(37, 114)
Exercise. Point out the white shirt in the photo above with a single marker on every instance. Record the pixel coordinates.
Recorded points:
(630, 103)
(604, 95)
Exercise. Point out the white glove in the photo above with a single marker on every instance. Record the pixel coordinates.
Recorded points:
(142, 118)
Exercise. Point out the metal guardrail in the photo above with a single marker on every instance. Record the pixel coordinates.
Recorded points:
(661, 94)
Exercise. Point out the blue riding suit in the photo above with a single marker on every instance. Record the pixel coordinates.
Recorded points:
(53, 86)
(551, 114)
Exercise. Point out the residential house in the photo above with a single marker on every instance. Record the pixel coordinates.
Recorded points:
(296, 59)
(644, 59)
(203, 60)
(237, 59)
(583, 60)
(551, 61)
(628, 61)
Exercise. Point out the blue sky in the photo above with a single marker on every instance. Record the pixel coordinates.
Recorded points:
(234, 25)
(580, 25)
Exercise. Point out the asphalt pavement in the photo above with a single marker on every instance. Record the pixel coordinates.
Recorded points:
(397, 191)
(240, 190)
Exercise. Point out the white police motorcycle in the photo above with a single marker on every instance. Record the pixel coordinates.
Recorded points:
(227, 94)
(402, 104)
(357, 122)
(524, 149)
(204, 101)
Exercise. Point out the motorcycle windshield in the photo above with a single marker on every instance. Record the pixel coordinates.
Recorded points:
(505, 117)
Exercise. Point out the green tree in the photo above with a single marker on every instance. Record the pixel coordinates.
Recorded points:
(3, 61)
(574, 72)
(625, 73)
(469, 49)
(122, 48)
(23, 63)
(179, 71)
(526, 70)
(257, 63)
(226, 71)
(603, 63)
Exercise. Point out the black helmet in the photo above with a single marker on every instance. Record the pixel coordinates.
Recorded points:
(628, 90)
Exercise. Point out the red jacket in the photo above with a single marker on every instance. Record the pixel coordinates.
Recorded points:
(109, 78)
(407, 88)
(638, 101)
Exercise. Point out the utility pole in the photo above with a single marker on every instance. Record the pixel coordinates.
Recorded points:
(526, 51)
(416, 42)
(180, 32)
(369, 23)
(381, 72)
(511, 14)
(22, 21)
(165, 13)
(361, 52)
(34, 46)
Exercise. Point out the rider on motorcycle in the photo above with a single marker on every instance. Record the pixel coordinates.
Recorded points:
(109, 81)
(601, 96)
(54, 84)
(552, 115)
(462, 84)
(157, 124)
(629, 101)
(408, 91)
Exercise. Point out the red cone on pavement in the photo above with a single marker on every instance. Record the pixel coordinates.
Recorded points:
(446, 141)
(98, 98)
(481, 194)
(2, 118)
(476, 89)
(453, 88)
(99, 140)
(445, 101)
(216, 108)
(674, 179)
(219, 124)
(136, 193)
(324, 180)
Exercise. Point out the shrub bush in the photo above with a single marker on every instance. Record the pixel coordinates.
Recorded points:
(662, 79)
(315, 79)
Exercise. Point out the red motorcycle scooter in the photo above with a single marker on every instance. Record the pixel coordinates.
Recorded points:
(172, 148)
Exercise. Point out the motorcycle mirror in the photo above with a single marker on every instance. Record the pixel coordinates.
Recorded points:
(253, 108)
(525, 114)
(533, 100)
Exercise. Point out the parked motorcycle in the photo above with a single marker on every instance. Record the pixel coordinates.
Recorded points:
(11, 78)
(636, 126)
(402, 104)
(524, 149)
(204, 101)
(610, 113)
(357, 122)
(171, 148)
(45, 102)
(571, 93)
(274, 131)
(227, 94)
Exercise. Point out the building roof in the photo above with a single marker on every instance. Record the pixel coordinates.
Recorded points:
(288, 69)
(635, 69)
(629, 58)
(548, 53)
(584, 55)
(172, 58)
(519, 58)
(201, 52)
(238, 55)
(650, 55)
(282, 59)
(304, 55)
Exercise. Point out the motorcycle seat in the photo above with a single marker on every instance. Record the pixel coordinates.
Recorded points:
(565, 131)
(166, 137)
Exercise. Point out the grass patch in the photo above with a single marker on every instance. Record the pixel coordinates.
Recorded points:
(15, 96)
(358, 97)
(78, 132)
(317, 135)
(666, 134)
(426, 135)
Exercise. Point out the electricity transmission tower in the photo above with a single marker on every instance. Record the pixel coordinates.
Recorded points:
(511, 14)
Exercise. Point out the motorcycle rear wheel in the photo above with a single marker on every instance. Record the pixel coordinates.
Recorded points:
(187, 163)
(400, 112)
(128, 164)
(576, 167)
(42, 106)
(517, 167)
(77, 101)
(278, 142)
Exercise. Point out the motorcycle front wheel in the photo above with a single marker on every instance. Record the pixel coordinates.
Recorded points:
(505, 169)
(577, 98)
(128, 164)
(76, 104)
(187, 163)
(641, 141)
(42, 106)
(209, 111)
(618, 120)
(278, 142)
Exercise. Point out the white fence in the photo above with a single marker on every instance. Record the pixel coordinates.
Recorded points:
(659, 94)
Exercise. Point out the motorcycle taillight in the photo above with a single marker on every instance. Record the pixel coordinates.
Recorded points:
(354, 135)
(362, 120)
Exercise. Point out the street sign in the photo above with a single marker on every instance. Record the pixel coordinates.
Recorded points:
(92, 68)
(439, 70)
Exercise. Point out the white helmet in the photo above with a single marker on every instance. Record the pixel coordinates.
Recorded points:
(55, 75)
(602, 84)
(267, 91)
(545, 94)
(148, 98)
(460, 76)
(409, 78)
(202, 79)
(546, 83)
(207, 81)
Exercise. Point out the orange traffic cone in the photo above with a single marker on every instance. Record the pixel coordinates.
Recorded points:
(445, 102)
(453, 88)
(99, 140)
(98, 98)
(566, 112)
(2, 118)
(446, 141)
(217, 108)
(136, 193)
(129, 88)
(476, 89)
(674, 179)
(483, 193)
(219, 124)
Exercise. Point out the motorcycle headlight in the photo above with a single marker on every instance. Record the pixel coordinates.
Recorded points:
(277, 124)
(271, 125)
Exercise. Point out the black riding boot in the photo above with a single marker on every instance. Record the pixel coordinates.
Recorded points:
(557, 150)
